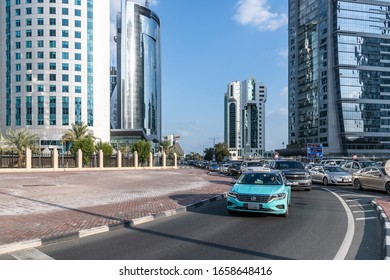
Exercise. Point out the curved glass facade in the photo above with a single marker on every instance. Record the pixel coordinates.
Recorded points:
(339, 75)
(139, 71)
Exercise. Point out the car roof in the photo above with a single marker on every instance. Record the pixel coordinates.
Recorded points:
(265, 171)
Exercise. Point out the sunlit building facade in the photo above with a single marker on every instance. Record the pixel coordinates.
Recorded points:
(245, 118)
(339, 76)
(137, 100)
(54, 67)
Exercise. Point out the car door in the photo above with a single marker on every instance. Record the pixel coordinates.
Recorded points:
(314, 174)
(364, 177)
(376, 180)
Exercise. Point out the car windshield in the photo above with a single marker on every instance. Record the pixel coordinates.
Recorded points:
(333, 169)
(289, 165)
(260, 179)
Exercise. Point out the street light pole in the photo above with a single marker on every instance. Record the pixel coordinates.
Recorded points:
(214, 138)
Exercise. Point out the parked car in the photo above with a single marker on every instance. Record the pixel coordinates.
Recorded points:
(330, 174)
(224, 168)
(355, 165)
(234, 168)
(252, 165)
(213, 167)
(294, 172)
(373, 177)
(260, 191)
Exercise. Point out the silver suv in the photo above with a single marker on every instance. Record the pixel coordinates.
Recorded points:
(295, 173)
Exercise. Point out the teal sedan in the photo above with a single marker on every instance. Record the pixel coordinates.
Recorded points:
(260, 191)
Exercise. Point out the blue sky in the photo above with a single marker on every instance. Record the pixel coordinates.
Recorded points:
(207, 44)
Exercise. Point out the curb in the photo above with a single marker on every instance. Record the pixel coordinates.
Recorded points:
(29, 244)
(386, 229)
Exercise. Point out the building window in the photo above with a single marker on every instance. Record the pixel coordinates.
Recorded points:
(77, 34)
(17, 34)
(65, 89)
(28, 33)
(77, 78)
(77, 13)
(65, 11)
(28, 21)
(53, 32)
(40, 32)
(53, 88)
(77, 89)
(28, 88)
(40, 55)
(65, 77)
(65, 44)
(52, 66)
(65, 22)
(77, 23)
(28, 55)
(40, 88)
(18, 111)
(28, 66)
(65, 33)
(40, 21)
(41, 110)
(65, 66)
(41, 43)
(28, 44)
(41, 66)
(52, 77)
(28, 110)
(52, 10)
(65, 110)
(65, 55)
(40, 11)
(52, 21)
(77, 46)
(53, 110)
(77, 56)
(17, 45)
(77, 67)
(77, 110)
(53, 55)
(53, 44)
(40, 77)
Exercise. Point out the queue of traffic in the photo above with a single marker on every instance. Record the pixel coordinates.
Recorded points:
(265, 185)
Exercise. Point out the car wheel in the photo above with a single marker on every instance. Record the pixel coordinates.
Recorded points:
(387, 188)
(325, 181)
(357, 185)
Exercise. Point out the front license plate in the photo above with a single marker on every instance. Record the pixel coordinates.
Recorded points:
(254, 206)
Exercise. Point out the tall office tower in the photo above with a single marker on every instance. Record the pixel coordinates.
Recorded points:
(245, 118)
(54, 67)
(138, 94)
(339, 76)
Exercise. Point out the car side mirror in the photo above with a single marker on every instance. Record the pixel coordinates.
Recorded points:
(233, 182)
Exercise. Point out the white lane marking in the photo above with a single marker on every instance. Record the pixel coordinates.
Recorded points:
(366, 218)
(353, 200)
(363, 211)
(359, 205)
(30, 254)
(343, 250)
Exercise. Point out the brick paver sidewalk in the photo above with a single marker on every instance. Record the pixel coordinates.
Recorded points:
(37, 205)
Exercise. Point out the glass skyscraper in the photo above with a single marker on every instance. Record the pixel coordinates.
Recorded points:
(339, 76)
(244, 118)
(54, 67)
(137, 101)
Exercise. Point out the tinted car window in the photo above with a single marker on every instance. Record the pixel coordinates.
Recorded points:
(289, 165)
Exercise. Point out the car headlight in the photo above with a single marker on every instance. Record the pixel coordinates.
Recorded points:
(278, 196)
(232, 194)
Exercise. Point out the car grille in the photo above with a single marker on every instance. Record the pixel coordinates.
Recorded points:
(253, 198)
(295, 177)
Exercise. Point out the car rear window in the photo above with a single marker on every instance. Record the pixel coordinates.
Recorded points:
(289, 165)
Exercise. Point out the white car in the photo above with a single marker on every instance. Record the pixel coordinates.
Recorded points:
(252, 165)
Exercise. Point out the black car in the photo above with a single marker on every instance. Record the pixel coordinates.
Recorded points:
(234, 168)
(295, 172)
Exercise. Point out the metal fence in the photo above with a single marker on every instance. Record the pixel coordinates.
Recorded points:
(128, 160)
(11, 160)
(67, 161)
(42, 160)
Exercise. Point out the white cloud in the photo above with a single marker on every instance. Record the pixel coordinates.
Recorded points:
(258, 13)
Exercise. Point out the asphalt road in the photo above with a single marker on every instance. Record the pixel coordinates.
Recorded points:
(323, 224)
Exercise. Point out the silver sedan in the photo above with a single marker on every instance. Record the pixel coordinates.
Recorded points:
(372, 178)
(330, 175)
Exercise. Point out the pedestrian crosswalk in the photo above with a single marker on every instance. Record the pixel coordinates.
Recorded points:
(359, 203)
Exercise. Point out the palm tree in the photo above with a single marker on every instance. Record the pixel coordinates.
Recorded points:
(77, 132)
(20, 140)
